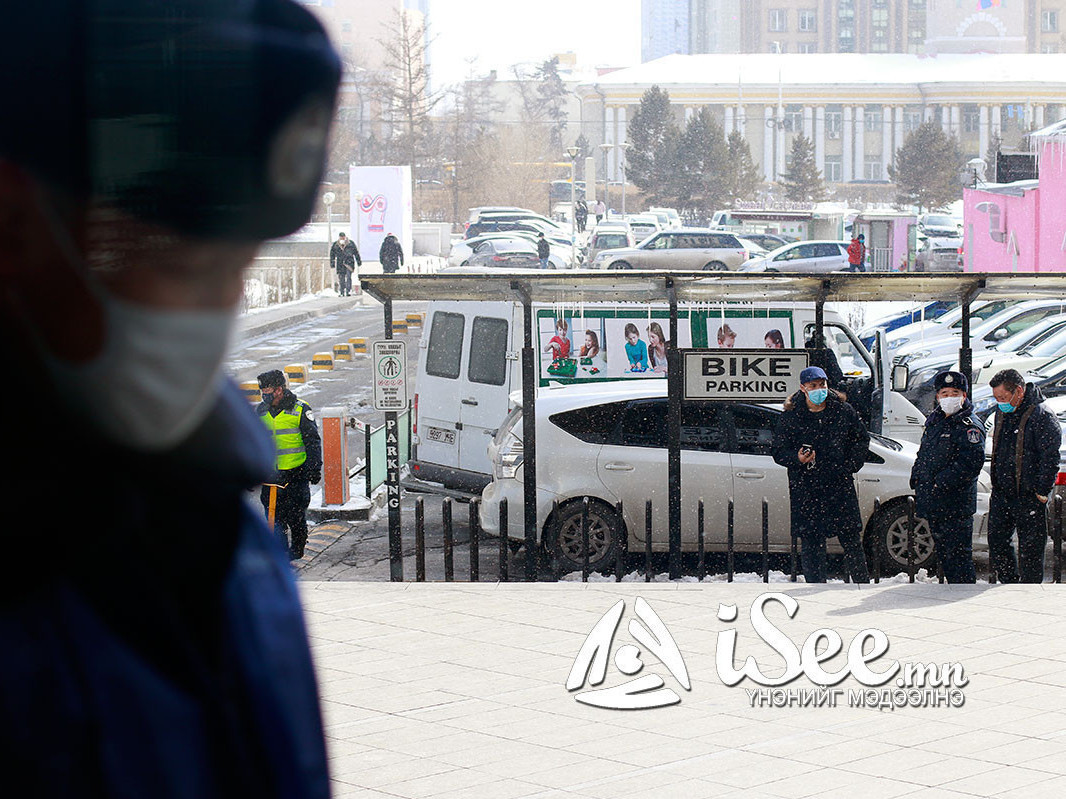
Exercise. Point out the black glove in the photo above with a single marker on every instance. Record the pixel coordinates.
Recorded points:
(315, 477)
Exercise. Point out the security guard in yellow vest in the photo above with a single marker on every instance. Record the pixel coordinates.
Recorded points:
(298, 448)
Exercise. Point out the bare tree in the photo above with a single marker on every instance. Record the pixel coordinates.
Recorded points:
(466, 129)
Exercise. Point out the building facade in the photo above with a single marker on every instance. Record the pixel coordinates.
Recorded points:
(857, 109)
(664, 28)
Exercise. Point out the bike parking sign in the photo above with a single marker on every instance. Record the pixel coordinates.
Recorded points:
(764, 375)
(390, 376)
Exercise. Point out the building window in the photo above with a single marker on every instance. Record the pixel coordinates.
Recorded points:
(912, 120)
(778, 20)
(971, 119)
(778, 47)
(872, 117)
(346, 26)
(1049, 48)
(846, 41)
(794, 118)
(1049, 21)
(872, 168)
(808, 20)
(834, 169)
(806, 47)
(834, 123)
(346, 52)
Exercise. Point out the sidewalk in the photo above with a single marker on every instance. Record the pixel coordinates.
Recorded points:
(458, 691)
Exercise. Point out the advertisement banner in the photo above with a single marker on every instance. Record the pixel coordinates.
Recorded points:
(381, 204)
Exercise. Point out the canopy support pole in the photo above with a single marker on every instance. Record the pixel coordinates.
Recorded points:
(673, 435)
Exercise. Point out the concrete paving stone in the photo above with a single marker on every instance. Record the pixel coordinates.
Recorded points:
(654, 757)
(871, 788)
(530, 762)
(996, 781)
(910, 764)
(1053, 788)
(385, 776)
(688, 789)
(361, 761)
(572, 775)
(838, 755)
(760, 776)
(972, 743)
(457, 780)
(1053, 763)
(626, 782)
(809, 783)
(1038, 725)
(497, 789)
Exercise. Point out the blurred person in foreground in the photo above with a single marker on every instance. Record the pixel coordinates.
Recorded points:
(158, 649)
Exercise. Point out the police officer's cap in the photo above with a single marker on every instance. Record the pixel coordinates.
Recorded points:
(272, 379)
(951, 380)
(210, 117)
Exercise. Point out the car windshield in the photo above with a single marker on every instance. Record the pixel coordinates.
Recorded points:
(939, 221)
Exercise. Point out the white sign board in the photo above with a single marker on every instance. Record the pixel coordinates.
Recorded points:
(390, 376)
(384, 207)
(764, 375)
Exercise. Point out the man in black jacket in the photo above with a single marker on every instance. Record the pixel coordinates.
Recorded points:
(391, 254)
(944, 475)
(1025, 463)
(544, 250)
(298, 453)
(344, 256)
(823, 443)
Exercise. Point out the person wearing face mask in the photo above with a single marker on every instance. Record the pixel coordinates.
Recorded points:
(161, 649)
(944, 475)
(1025, 463)
(298, 448)
(822, 443)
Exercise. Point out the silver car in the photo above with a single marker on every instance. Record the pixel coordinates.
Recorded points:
(686, 249)
(803, 256)
(938, 254)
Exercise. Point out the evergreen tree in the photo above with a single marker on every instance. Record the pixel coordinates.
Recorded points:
(699, 180)
(803, 181)
(584, 151)
(651, 161)
(995, 144)
(742, 175)
(926, 169)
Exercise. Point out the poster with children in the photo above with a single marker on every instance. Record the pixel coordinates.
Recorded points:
(572, 347)
(750, 333)
(637, 346)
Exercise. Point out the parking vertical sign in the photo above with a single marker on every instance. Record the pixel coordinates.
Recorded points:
(390, 376)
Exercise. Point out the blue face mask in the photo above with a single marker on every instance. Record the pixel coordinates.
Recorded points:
(818, 395)
(1006, 407)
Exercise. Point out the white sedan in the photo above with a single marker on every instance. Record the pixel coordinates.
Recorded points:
(802, 256)
(608, 442)
(462, 251)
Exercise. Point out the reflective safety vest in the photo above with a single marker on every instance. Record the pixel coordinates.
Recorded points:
(288, 442)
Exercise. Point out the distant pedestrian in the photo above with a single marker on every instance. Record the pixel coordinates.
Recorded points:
(857, 254)
(944, 475)
(1025, 463)
(344, 256)
(822, 443)
(600, 209)
(390, 254)
(543, 250)
(581, 215)
(298, 454)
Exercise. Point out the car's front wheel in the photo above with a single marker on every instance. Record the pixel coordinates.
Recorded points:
(887, 539)
(715, 266)
(606, 535)
(620, 265)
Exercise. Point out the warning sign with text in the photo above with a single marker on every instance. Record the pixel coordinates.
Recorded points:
(390, 376)
(764, 375)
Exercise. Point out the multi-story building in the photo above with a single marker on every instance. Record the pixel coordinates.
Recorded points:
(856, 108)
(357, 28)
(1017, 26)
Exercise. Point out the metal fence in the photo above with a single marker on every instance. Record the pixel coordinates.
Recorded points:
(625, 562)
(882, 259)
(269, 281)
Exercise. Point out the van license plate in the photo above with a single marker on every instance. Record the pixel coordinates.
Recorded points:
(440, 435)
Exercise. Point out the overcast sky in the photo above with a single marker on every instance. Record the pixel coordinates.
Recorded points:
(499, 33)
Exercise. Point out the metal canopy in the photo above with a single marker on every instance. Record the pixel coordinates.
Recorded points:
(651, 286)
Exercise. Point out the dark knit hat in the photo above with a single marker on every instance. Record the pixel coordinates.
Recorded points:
(951, 380)
(272, 379)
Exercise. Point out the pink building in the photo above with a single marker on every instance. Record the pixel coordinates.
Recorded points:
(1021, 227)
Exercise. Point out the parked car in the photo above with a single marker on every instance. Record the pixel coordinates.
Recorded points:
(1028, 358)
(938, 254)
(511, 254)
(803, 256)
(673, 219)
(684, 249)
(607, 442)
(929, 311)
(643, 225)
(607, 237)
(995, 328)
(754, 250)
(461, 251)
(939, 225)
(948, 324)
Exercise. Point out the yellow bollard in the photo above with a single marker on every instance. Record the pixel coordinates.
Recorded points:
(358, 345)
(251, 391)
(296, 373)
(399, 325)
(414, 320)
(322, 362)
(342, 352)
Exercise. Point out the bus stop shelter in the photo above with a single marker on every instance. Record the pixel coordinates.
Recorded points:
(674, 289)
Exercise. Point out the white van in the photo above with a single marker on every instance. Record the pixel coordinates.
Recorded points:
(469, 362)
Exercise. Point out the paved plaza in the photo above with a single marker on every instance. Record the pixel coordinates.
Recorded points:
(459, 690)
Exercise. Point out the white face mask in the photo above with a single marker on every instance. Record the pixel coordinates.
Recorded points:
(158, 373)
(951, 405)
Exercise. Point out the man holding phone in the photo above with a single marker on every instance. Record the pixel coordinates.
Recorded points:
(822, 442)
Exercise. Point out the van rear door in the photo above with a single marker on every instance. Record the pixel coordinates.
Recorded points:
(438, 385)
(485, 386)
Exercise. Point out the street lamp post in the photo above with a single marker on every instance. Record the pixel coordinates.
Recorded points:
(573, 152)
(606, 149)
(356, 198)
(327, 200)
(622, 166)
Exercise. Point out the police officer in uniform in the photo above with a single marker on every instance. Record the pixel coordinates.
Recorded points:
(298, 448)
(822, 442)
(944, 475)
